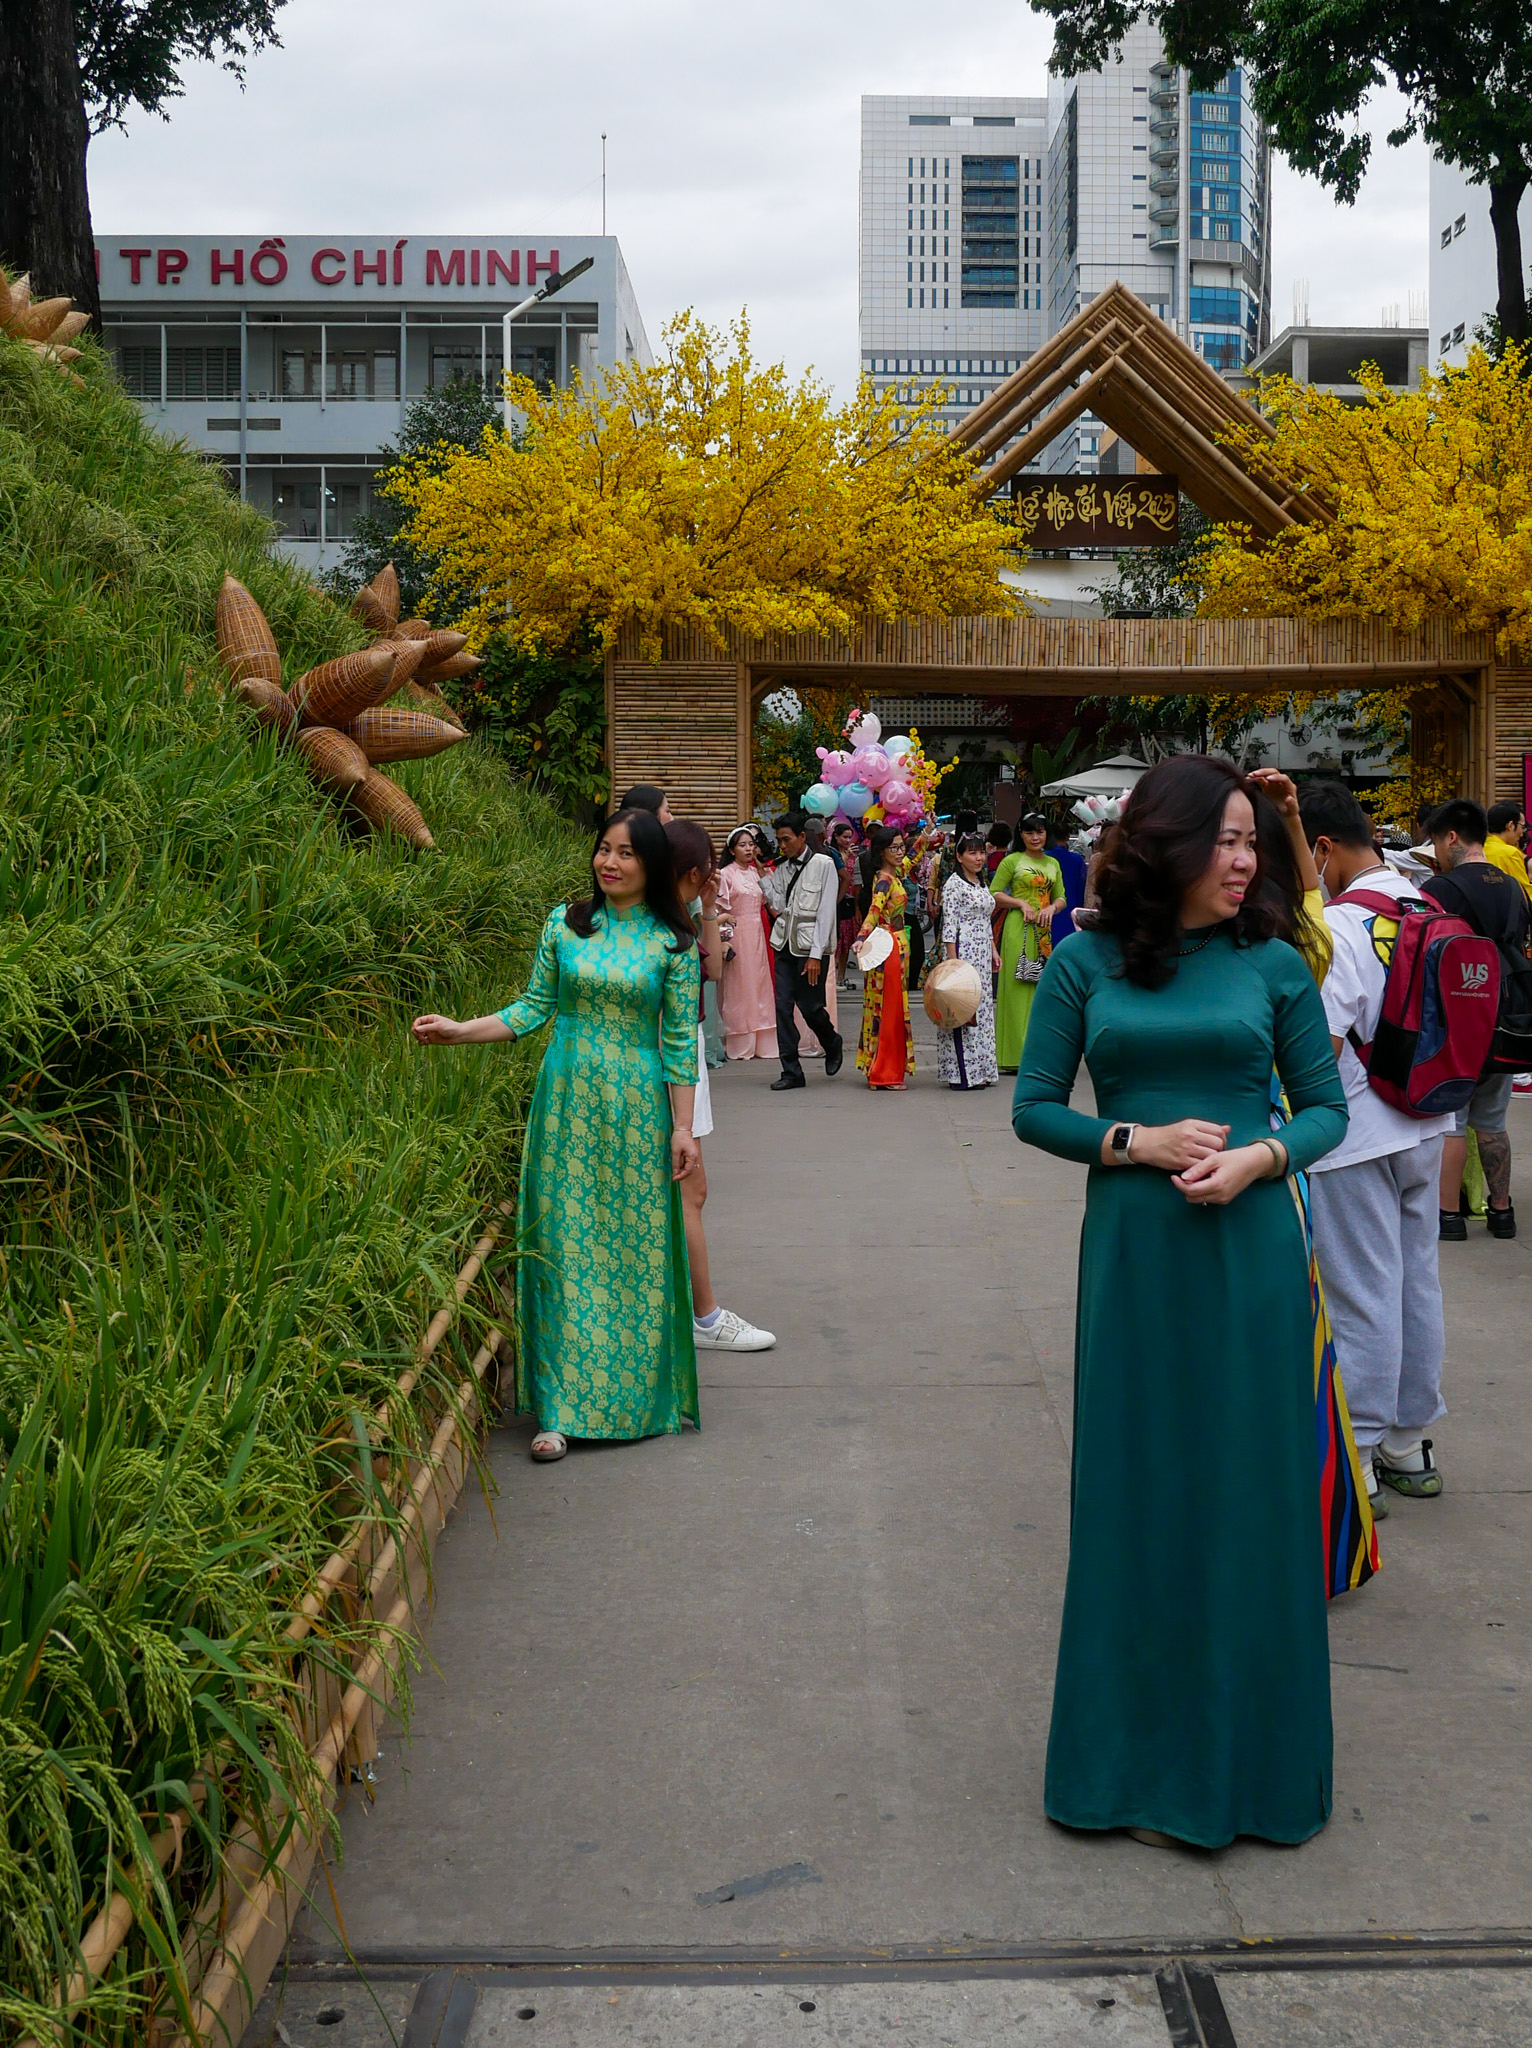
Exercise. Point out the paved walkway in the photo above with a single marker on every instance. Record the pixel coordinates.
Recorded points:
(784, 1685)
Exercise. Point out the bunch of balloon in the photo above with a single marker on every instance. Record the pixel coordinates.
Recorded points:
(848, 782)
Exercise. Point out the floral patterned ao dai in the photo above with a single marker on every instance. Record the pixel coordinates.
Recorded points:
(603, 1290)
(966, 1057)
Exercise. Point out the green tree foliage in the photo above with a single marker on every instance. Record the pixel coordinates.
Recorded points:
(1464, 68)
(785, 742)
(435, 427)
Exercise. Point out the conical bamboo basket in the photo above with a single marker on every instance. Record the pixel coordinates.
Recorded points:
(386, 733)
(246, 644)
(269, 704)
(386, 808)
(338, 690)
(454, 665)
(432, 701)
(376, 604)
(334, 761)
(407, 658)
(442, 642)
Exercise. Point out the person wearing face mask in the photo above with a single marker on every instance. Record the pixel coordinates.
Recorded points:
(1374, 1197)
(1192, 1698)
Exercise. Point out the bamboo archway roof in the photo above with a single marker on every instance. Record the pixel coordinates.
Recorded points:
(1118, 359)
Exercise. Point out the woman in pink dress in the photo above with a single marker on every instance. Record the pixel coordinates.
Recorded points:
(746, 1000)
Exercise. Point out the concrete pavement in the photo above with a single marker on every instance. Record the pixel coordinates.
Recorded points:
(783, 1685)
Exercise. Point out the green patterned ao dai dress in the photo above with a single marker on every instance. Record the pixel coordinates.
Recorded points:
(603, 1291)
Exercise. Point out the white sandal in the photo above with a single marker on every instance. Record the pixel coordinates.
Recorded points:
(549, 1444)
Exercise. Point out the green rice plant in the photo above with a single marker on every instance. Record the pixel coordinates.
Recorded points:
(233, 1190)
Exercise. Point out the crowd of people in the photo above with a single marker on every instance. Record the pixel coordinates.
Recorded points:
(1276, 1153)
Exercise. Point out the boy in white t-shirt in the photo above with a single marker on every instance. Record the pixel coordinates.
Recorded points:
(1374, 1198)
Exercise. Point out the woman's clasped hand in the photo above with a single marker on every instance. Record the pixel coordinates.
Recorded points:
(1197, 1157)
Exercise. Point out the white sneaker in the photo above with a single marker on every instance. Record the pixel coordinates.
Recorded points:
(731, 1333)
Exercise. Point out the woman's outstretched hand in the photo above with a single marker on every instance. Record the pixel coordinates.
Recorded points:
(1219, 1177)
(1176, 1147)
(434, 1030)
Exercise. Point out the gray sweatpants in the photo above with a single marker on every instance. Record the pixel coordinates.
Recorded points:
(1375, 1238)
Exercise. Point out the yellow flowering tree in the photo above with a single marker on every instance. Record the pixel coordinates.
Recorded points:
(1432, 495)
(706, 491)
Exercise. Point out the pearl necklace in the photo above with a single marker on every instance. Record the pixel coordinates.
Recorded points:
(1186, 952)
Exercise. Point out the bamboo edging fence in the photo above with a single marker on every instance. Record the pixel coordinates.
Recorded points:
(240, 1927)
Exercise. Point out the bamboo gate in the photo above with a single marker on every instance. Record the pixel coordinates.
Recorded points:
(685, 720)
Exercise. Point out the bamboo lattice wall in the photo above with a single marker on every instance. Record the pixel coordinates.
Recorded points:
(685, 726)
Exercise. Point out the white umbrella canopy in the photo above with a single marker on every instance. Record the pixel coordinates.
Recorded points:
(1107, 778)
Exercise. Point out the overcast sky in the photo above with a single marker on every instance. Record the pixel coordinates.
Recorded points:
(732, 148)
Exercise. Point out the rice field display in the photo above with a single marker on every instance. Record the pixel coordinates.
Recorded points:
(333, 715)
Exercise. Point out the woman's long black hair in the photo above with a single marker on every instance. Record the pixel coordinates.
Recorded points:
(646, 835)
(1170, 827)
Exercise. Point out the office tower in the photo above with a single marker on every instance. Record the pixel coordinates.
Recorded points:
(1121, 174)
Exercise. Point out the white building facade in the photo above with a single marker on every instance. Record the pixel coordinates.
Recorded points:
(1464, 281)
(290, 360)
(986, 224)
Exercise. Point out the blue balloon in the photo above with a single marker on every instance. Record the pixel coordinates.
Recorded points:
(821, 800)
(854, 798)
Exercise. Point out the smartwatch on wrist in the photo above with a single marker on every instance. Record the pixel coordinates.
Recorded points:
(1122, 1139)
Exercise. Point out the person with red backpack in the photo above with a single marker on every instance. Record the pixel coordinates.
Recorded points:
(1374, 1197)
(1477, 890)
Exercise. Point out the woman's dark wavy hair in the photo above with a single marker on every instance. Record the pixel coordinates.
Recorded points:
(1169, 828)
(646, 835)
(691, 846)
(1279, 887)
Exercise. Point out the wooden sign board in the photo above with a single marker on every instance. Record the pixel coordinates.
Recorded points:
(1096, 511)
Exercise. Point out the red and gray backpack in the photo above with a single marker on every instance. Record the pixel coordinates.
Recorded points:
(1440, 1003)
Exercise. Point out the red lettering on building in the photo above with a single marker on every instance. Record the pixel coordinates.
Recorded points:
(268, 265)
(399, 259)
(168, 265)
(533, 266)
(328, 276)
(360, 268)
(473, 266)
(450, 272)
(510, 271)
(135, 259)
(234, 267)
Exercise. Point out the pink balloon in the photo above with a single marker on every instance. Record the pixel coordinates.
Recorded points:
(872, 766)
(898, 798)
(835, 767)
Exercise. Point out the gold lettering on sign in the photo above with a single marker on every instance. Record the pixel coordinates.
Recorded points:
(1091, 512)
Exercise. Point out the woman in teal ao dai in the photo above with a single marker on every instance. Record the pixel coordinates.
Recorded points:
(603, 1293)
(1192, 1698)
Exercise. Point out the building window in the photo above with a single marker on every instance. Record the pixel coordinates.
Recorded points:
(991, 245)
(1446, 343)
(946, 298)
(1460, 223)
(193, 373)
(295, 506)
(1446, 236)
(909, 298)
(1457, 334)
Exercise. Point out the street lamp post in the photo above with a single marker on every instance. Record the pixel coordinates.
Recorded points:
(555, 283)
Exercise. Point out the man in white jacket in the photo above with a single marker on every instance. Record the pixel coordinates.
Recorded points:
(801, 890)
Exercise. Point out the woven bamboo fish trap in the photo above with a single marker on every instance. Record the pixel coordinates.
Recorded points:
(407, 658)
(46, 326)
(387, 809)
(334, 760)
(376, 604)
(338, 690)
(434, 703)
(269, 704)
(387, 733)
(441, 643)
(454, 665)
(412, 629)
(246, 644)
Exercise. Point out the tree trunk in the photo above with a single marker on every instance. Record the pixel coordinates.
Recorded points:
(1505, 191)
(44, 201)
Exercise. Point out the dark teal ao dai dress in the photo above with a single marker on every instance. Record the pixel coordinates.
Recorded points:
(603, 1291)
(1193, 1685)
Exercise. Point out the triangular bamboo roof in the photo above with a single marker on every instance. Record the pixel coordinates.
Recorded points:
(1119, 360)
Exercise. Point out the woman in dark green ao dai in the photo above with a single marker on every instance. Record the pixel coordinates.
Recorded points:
(1192, 1698)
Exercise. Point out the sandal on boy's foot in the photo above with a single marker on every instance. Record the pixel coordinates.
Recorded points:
(1419, 1482)
(549, 1444)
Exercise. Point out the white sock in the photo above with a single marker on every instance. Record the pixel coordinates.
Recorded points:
(1404, 1449)
(1369, 1469)
(706, 1322)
